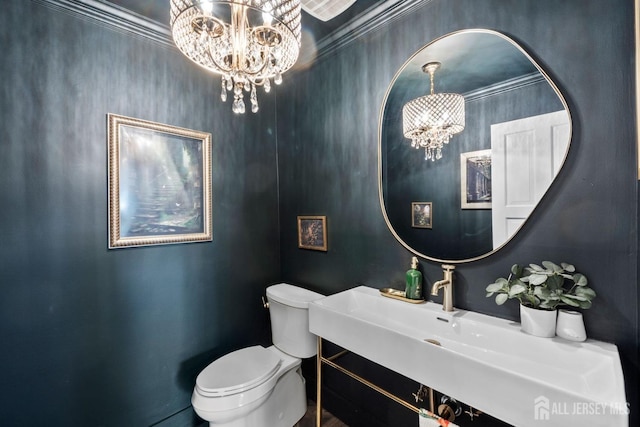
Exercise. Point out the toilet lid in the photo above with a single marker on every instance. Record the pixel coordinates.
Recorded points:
(292, 296)
(238, 371)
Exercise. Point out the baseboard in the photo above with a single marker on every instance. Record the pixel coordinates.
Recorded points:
(184, 418)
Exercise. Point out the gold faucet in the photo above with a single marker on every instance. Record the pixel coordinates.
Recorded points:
(447, 284)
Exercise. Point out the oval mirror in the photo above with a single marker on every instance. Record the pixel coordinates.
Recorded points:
(517, 128)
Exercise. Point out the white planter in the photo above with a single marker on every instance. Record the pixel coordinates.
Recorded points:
(541, 323)
(570, 325)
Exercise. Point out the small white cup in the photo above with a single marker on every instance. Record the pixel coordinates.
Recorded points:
(570, 325)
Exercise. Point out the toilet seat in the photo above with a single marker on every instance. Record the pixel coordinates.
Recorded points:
(231, 374)
(239, 371)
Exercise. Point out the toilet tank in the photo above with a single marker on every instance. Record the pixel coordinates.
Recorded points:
(289, 312)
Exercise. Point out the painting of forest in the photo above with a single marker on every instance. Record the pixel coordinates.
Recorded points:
(159, 184)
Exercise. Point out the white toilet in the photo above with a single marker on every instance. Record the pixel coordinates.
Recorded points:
(257, 386)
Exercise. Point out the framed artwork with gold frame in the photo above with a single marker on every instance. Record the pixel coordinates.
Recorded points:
(159, 183)
(312, 232)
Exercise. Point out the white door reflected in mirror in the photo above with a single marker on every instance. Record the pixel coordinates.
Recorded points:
(526, 155)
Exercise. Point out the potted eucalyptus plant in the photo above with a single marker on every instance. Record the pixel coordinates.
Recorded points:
(540, 291)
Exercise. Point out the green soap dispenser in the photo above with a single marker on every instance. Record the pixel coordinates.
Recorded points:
(413, 288)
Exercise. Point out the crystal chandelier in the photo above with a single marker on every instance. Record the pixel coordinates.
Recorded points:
(248, 42)
(431, 120)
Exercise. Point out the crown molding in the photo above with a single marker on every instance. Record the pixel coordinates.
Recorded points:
(126, 21)
(114, 16)
(368, 21)
(505, 86)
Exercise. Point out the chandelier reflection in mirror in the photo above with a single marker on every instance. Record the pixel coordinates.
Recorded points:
(248, 42)
(430, 121)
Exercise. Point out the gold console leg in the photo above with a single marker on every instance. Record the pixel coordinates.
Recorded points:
(319, 384)
(330, 361)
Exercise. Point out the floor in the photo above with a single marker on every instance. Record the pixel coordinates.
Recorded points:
(328, 420)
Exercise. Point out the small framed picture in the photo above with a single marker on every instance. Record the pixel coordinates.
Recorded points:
(312, 232)
(421, 214)
(475, 180)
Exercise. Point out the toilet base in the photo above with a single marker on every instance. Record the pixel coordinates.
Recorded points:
(284, 407)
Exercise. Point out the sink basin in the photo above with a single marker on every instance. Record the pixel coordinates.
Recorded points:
(483, 361)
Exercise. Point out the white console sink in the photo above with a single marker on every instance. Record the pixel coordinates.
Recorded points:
(483, 361)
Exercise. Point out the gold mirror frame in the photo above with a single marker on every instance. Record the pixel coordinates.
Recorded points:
(380, 142)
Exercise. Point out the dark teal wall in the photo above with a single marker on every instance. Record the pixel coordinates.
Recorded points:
(328, 164)
(98, 337)
(92, 336)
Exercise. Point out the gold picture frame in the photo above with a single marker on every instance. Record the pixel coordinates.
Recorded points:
(422, 214)
(159, 183)
(312, 232)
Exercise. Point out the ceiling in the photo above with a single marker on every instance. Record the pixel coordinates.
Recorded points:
(158, 10)
(470, 61)
(477, 63)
